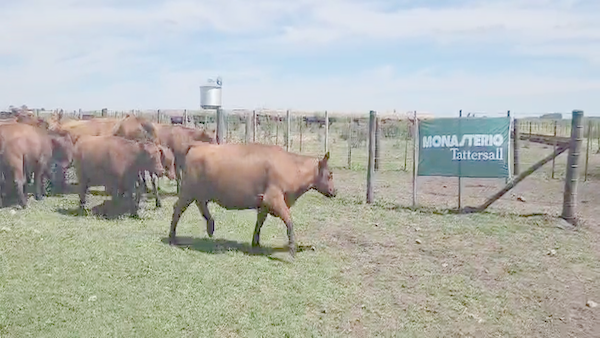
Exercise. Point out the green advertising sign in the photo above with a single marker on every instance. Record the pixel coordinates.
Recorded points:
(464, 147)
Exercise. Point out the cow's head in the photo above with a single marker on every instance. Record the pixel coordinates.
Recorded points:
(62, 148)
(208, 136)
(149, 158)
(323, 181)
(168, 161)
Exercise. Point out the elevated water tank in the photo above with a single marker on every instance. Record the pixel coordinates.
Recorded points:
(210, 95)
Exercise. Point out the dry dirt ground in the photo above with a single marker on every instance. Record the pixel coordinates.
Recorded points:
(567, 286)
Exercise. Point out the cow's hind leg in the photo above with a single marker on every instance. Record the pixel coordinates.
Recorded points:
(83, 187)
(142, 181)
(183, 202)
(210, 222)
(133, 194)
(260, 220)
(38, 178)
(20, 185)
(277, 207)
(154, 180)
(178, 176)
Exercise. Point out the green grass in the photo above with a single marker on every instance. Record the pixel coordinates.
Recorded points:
(363, 271)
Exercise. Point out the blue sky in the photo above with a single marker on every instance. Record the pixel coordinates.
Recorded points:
(527, 56)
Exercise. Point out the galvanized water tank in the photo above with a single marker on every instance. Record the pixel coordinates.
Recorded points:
(210, 96)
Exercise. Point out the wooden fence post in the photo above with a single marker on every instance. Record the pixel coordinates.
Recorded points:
(227, 118)
(254, 125)
(377, 135)
(554, 147)
(288, 120)
(415, 158)
(598, 136)
(510, 173)
(459, 173)
(301, 127)
(326, 132)
(277, 129)
(406, 144)
(570, 193)
(249, 131)
(220, 126)
(349, 142)
(371, 163)
(516, 141)
(587, 150)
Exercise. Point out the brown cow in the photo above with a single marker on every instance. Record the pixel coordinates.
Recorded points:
(176, 138)
(130, 127)
(138, 128)
(135, 128)
(26, 149)
(26, 118)
(168, 161)
(32, 120)
(115, 163)
(249, 176)
(79, 128)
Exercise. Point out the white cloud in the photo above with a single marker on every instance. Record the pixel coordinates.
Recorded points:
(55, 50)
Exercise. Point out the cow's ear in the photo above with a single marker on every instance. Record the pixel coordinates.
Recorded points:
(323, 161)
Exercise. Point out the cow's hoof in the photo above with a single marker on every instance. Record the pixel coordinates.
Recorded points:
(172, 241)
(158, 204)
(255, 249)
(210, 230)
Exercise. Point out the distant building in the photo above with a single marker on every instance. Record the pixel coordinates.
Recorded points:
(552, 116)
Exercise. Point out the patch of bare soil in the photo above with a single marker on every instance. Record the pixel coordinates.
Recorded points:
(514, 270)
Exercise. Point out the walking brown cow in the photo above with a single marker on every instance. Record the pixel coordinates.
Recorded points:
(130, 127)
(25, 149)
(115, 163)
(177, 138)
(168, 161)
(249, 176)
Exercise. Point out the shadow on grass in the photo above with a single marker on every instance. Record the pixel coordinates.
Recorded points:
(74, 189)
(218, 246)
(10, 199)
(105, 210)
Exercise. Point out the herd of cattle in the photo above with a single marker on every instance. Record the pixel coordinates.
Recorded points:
(118, 152)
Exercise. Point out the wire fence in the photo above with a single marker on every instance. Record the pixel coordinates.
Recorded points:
(347, 140)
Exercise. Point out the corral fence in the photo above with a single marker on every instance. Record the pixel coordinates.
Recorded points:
(370, 143)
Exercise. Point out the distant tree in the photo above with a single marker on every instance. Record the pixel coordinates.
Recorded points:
(552, 116)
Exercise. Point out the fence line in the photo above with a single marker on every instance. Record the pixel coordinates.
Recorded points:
(347, 138)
